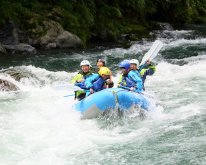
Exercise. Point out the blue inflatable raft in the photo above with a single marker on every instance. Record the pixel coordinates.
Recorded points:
(110, 99)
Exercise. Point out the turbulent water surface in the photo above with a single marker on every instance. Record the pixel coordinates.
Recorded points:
(38, 125)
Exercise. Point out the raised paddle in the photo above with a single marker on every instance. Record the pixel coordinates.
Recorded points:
(151, 54)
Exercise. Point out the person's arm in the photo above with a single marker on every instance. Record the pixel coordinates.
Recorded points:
(78, 78)
(89, 80)
(148, 70)
(120, 81)
(109, 83)
(151, 69)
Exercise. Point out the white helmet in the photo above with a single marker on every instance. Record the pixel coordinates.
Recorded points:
(85, 62)
(134, 61)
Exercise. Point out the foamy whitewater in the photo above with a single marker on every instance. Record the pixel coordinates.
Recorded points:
(39, 126)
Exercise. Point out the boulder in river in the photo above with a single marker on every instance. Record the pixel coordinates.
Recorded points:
(7, 86)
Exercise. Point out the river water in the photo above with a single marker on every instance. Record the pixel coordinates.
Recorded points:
(39, 126)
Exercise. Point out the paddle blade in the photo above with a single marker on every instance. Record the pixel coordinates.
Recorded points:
(152, 53)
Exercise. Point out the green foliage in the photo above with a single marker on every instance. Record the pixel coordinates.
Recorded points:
(88, 17)
(180, 11)
(135, 5)
(5, 11)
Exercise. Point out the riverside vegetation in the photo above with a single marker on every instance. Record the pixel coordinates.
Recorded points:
(76, 23)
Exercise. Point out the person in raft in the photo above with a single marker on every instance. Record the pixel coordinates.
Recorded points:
(81, 77)
(147, 70)
(129, 79)
(102, 63)
(97, 82)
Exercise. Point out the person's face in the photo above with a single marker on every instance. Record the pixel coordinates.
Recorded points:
(123, 71)
(105, 77)
(133, 66)
(100, 64)
(85, 68)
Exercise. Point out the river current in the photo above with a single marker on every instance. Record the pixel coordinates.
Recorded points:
(39, 126)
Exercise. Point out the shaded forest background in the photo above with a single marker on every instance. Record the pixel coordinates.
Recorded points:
(91, 20)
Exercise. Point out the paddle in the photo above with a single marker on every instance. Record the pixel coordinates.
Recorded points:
(65, 87)
(86, 91)
(75, 87)
(151, 54)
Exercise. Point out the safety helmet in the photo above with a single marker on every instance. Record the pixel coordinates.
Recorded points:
(104, 71)
(85, 62)
(134, 61)
(125, 64)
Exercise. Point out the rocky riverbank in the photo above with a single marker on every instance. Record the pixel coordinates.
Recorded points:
(26, 26)
(14, 40)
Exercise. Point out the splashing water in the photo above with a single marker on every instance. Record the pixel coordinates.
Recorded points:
(38, 125)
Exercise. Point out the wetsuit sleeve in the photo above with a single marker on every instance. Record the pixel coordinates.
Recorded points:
(149, 70)
(88, 82)
(76, 78)
(120, 81)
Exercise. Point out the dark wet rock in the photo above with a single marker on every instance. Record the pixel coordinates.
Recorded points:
(161, 26)
(68, 40)
(56, 36)
(51, 46)
(17, 73)
(49, 35)
(104, 35)
(20, 49)
(2, 50)
(53, 29)
(7, 86)
(166, 26)
(11, 34)
(14, 41)
(20, 73)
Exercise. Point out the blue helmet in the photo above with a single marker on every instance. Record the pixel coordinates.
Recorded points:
(125, 64)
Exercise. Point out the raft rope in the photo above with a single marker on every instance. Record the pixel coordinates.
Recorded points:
(115, 96)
